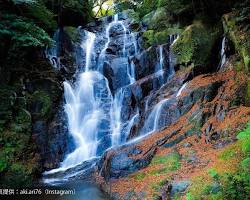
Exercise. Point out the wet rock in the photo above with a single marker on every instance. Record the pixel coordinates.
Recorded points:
(104, 143)
(145, 63)
(118, 67)
(119, 162)
(214, 136)
(178, 187)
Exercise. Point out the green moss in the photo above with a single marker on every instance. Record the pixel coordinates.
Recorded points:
(140, 176)
(133, 15)
(148, 37)
(225, 183)
(157, 186)
(227, 154)
(239, 37)
(195, 44)
(72, 33)
(246, 164)
(152, 37)
(170, 162)
(160, 20)
(247, 100)
(42, 102)
(213, 173)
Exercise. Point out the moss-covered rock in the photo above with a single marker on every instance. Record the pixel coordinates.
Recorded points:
(8, 98)
(159, 20)
(195, 44)
(18, 165)
(23, 121)
(147, 18)
(72, 33)
(151, 37)
(148, 38)
(240, 38)
(248, 93)
(133, 15)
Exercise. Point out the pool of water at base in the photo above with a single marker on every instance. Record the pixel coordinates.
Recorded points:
(75, 191)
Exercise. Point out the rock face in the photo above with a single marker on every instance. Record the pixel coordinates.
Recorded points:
(29, 106)
(198, 110)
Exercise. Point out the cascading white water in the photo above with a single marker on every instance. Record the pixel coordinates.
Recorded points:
(90, 106)
(159, 66)
(152, 122)
(173, 39)
(171, 57)
(134, 41)
(87, 105)
(116, 119)
(52, 53)
(181, 89)
(85, 109)
(120, 129)
(131, 72)
(222, 53)
(88, 45)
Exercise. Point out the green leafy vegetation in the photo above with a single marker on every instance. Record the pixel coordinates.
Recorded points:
(23, 32)
(17, 162)
(237, 29)
(230, 177)
(189, 48)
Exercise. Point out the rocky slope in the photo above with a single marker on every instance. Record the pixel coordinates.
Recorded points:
(198, 125)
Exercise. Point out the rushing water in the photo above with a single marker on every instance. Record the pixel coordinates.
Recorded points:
(152, 122)
(181, 89)
(95, 112)
(222, 53)
(53, 52)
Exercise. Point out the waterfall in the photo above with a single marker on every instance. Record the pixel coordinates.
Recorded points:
(134, 41)
(85, 109)
(88, 45)
(116, 119)
(53, 53)
(181, 89)
(173, 39)
(131, 72)
(222, 53)
(100, 116)
(171, 56)
(153, 120)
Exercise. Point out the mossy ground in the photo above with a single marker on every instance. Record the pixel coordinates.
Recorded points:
(229, 178)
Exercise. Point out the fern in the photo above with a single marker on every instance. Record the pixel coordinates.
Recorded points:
(24, 1)
(23, 32)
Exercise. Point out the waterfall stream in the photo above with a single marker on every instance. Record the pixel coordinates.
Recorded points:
(97, 112)
(222, 53)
